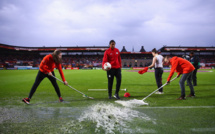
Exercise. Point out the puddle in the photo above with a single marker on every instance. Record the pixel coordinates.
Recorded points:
(19, 115)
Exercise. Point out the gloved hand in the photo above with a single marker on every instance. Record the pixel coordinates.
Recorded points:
(167, 82)
(65, 83)
(50, 73)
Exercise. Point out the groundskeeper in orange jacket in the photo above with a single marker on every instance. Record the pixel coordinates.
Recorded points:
(179, 65)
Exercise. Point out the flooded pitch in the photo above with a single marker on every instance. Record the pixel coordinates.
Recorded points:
(97, 118)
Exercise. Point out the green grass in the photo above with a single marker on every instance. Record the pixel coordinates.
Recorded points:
(47, 115)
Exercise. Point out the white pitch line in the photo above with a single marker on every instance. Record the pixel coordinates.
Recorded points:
(203, 129)
(181, 107)
(97, 89)
(105, 89)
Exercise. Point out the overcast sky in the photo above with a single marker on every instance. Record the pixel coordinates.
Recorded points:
(131, 23)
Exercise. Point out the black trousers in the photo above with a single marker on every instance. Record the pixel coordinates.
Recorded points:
(110, 75)
(194, 77)
(158, 77)
(39, 78)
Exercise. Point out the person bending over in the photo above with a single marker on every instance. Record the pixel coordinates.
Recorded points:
(46, 69)
(185, 68)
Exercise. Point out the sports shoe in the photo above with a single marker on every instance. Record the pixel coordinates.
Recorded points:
(190, 95)
(158, 92)
(110, 97)
(116, 96)
(26, 100)
(181, 98)
(61, 99)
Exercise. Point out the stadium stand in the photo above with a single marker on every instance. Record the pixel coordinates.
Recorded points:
(79, 57)
(90, 57)
(205, 54)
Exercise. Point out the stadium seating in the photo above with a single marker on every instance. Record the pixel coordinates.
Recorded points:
(10, 56)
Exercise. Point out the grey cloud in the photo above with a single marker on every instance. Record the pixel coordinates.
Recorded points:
(152, 23)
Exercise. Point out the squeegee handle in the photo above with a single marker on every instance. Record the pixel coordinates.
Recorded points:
(68, 85)
(159, 88)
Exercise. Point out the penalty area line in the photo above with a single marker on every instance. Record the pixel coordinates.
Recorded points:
(180, 107)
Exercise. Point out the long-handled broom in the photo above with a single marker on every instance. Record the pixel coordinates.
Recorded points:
(84, 95)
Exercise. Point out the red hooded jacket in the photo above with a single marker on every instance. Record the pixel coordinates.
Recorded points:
(47, 65)
(180, 65)
(113, 57)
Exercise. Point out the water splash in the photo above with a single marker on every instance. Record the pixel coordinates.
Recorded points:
(132, 103)
(111, 118)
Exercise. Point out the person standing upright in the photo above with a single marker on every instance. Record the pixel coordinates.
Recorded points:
(112, 55)
(157, 63)
(195, 61)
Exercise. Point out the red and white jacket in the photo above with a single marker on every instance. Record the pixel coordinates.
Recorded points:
(113, 57)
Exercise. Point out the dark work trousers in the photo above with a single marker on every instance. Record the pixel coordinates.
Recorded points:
(187, 77)
(194, 77)
(39, 78)
(158, 77)
(110, 75)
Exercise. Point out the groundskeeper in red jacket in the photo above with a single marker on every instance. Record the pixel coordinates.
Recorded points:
(113, 57)
(180, 65)
(47, 65)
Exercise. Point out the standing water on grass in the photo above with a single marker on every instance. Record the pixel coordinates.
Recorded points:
(132, 103)
(110, 119)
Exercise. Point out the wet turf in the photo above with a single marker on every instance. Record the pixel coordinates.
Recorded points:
(47, 115)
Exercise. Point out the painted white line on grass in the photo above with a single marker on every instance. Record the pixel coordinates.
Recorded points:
(97, 89)
(203, 129)
(105, 89)
(181, 107)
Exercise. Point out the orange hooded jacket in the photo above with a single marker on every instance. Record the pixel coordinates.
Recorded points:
(47, 65)
(180, 65)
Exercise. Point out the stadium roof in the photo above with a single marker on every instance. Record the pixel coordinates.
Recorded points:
(103, 48)
(68, 49)
(142, 49)
(186, 48)
(19, 48)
